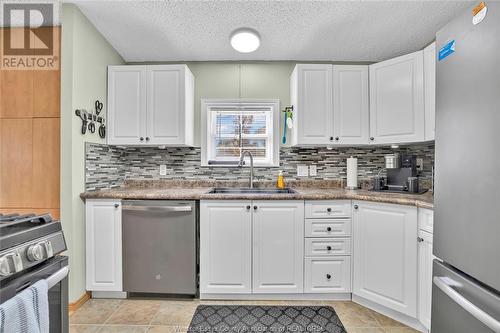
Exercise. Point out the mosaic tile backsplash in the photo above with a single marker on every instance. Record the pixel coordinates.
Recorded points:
(108, 166)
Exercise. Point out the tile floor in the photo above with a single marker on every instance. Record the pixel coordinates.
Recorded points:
(174, 316)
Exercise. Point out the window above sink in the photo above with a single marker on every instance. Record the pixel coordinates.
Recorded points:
(230, 127)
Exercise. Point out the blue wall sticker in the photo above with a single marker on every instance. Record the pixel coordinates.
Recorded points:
(446, 50)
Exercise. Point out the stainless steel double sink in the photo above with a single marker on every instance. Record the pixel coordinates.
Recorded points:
(247, 190)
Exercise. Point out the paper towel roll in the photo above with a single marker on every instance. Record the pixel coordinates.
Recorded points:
(352, 173)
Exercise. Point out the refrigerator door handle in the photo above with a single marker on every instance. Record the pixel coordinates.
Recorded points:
(492, 323)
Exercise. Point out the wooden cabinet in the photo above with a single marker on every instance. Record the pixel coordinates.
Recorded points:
(397, 100)
(430, 90)
(385, 255)
(29, 160)
(330, 104)
(278, 246)
(151, 105)
(350, 104)
(16, 162)
(103, 233)
(425, 258)
(225, 247)
(311, 94)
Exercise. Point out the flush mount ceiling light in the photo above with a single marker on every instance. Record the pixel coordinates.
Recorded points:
(245, 40)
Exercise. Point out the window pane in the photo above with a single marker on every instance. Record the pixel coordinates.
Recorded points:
(227, 124)
(254, 123)
(257, 147)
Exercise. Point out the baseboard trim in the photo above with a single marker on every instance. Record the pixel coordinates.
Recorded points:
(72, 307)
(277, 297)
(109, 294)
(402, 318)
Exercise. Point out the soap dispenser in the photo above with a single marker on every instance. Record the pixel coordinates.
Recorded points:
(281, 180)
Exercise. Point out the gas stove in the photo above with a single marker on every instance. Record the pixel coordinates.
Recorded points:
(26, 241)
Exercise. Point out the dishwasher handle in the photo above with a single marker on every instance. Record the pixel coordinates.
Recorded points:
(166, 209)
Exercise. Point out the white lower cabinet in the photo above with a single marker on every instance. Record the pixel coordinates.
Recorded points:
(278, 247)
(225, 247)
(425, 258)
(327, 247)
(385, 255)
(103, 233)
(328, 274)
(226, 261)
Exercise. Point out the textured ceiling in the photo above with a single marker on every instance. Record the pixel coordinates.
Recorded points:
(290, 30)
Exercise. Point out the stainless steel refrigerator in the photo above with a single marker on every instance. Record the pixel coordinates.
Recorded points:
(466, 284)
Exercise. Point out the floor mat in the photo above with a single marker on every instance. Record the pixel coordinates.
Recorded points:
(249, 318)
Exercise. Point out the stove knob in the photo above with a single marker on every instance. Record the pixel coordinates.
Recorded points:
(35, 252)
(4, 267)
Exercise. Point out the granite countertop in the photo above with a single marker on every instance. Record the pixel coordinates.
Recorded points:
(305, 190)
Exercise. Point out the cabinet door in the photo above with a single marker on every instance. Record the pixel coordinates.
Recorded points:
(430, 90)
(425, 258)
(314, 114)
(385, 255)
(328, 274)
(225, 247)
(350, 104)
(397, 100)
(103, 225)
(126, 105)
(278, 246)
(166, 104)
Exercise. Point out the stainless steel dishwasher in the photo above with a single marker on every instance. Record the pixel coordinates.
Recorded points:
(159, 247)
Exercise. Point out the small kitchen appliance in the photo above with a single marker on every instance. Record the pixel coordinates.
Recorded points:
(402, 175)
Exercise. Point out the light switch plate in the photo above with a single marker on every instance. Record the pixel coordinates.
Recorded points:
(420, 164)
(163, 169)
(302, 170)
(312, 170)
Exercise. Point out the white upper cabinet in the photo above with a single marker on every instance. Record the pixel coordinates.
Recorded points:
(397, 100)
(311, 95)
(225, 247)
(126, 104)
(350, 104)
(151, 105)
(385, 255)
(170, 105)
(278, 251)
(430, 90)
(330, 104)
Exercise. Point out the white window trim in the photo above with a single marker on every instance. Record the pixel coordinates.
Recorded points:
(208, 103)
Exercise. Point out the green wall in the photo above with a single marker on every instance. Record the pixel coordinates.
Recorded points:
(85, 55)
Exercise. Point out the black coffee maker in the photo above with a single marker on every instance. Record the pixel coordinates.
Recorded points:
(402, 174)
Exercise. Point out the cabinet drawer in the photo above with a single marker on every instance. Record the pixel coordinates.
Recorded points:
(328, 274)
(426, 219)
(328, 227)
(328, 209)
(327, 247)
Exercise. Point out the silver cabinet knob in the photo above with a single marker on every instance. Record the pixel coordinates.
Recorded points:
(117, 205)
(147, 138)
(420, 239)
(141, 138)
(356, 206)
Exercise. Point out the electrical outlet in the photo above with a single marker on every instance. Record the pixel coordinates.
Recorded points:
(420, 164)
(302, 170)
(163, 169)
(312, 170)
